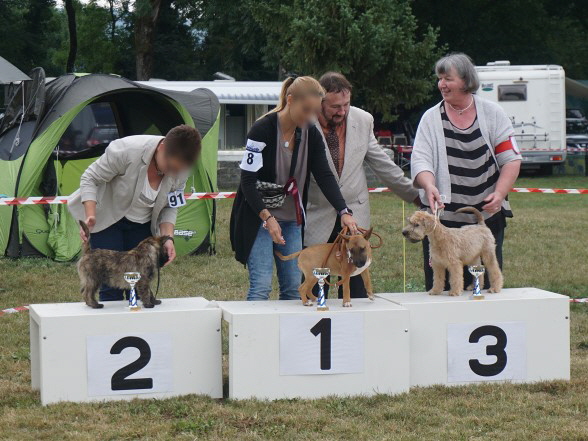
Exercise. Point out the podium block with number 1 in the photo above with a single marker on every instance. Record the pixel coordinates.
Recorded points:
(83, 354)
(281, 349)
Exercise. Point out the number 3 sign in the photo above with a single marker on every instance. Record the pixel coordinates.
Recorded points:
(321, 344)
(483, 352)
(129, 364)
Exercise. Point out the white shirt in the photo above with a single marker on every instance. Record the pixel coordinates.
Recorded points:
(140, 212)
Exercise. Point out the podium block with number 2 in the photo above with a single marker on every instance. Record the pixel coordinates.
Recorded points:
(281, 349)
(518, 335)
(83, 354)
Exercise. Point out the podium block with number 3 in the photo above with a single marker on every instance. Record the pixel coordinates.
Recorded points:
(281, 349)
(518, 335)
(83, 354)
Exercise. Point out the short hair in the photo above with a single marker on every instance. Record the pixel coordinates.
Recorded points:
(184, 143)
(464, 67)
(335, 82)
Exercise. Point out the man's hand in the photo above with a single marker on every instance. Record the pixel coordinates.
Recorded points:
(90, 222)
(170, 248)
(275, 231)
(348, 221)
(434, 198)
(493, 202)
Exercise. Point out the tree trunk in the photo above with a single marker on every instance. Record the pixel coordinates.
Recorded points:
(147, 14)
(73, 35)
(112, 19)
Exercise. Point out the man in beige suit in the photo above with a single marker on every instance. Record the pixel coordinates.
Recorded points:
(349, 140)
(134, 190)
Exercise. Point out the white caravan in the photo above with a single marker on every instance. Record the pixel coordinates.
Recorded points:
(534, 99)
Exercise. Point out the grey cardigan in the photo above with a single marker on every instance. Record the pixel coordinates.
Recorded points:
(115, 182)
(429, 151)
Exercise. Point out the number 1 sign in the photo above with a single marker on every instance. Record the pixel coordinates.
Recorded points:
(320, 343)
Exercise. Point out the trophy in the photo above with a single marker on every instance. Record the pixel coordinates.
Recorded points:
(477, 271)
(132, 278)
(321, 274)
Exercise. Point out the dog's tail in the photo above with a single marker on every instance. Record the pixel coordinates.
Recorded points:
(474, 211)
(86, 244)
(288, 257)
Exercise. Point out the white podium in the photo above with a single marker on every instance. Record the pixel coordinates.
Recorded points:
(82, 354)
(281, 349)
(518, 335)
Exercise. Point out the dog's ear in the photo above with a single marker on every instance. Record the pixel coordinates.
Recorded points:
(164, 239)
(85, 228)
(368, 234)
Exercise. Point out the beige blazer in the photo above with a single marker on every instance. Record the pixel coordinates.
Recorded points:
(115, 182)
(360, 145)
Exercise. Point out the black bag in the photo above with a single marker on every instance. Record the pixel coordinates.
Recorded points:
(274, 195)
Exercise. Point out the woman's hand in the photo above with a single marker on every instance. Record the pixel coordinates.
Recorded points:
(493, 202)
(434, 198)
(275, 231)
(170, 249)
(347, 220)
(90, 222)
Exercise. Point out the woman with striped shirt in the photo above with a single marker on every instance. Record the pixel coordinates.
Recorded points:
(464, 154)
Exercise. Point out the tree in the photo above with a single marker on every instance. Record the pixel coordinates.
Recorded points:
(73, 36)
(147, 14)
(374, 43)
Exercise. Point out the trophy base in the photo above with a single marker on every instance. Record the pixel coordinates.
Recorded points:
(477, 297)
(134, 308)
(322, 308)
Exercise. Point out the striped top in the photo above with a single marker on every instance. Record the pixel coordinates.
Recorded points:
(473, 172)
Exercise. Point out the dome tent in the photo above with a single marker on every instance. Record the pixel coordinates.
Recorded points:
(51, 132)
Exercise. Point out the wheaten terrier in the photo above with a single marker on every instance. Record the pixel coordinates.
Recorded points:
(453, 248)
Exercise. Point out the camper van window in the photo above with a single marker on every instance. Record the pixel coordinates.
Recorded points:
(94, 127)
(512, 92)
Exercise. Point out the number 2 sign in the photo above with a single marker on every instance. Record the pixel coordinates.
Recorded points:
(319, 343)
(129, 364)
(485, 352)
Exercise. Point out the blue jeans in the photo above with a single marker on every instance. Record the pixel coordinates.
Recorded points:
(124, 235)
(261, 264)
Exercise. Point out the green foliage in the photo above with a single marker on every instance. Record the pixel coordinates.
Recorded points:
(374, 43)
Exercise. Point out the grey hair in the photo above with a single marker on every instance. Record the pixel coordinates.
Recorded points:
(464, 67)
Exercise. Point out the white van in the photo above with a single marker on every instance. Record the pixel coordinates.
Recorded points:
(534, 99)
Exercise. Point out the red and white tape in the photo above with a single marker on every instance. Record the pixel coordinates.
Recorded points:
(44, 200)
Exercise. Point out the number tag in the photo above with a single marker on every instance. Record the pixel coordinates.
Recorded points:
(321, 344)
(252, 159)
(176, 199)
(486, 352)
(129, 364)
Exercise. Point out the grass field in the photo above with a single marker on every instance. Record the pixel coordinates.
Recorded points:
(545, 247)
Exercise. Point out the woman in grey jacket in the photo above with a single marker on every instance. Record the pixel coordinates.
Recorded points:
(465, 154)
(133, 191)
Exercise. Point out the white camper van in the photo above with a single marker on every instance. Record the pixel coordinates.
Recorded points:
(534, 99)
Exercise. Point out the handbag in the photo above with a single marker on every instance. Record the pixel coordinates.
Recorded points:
(273, 195)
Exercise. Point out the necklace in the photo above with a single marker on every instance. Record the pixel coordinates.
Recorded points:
(287, 143)
(460, 111)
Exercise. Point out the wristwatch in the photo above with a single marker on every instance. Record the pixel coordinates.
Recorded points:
(345, 211)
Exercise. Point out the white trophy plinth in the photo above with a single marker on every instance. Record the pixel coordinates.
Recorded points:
(82, 354)
(282, 349)
(519, 335)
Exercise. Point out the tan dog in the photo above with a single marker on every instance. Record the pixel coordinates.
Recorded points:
(97, 267)
(354, 259)
(452, 248)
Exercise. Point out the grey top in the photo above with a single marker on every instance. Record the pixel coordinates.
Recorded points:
(287, 212)
(430, 153)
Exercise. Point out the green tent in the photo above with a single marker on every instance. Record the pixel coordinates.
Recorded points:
(50, 133)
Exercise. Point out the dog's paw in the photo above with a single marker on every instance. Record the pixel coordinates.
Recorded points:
(435, 293)
(157, 302)
(148, 305)
(454, 293)
(494, 290)
(308, 303)
(96, 305)
(371, 296)
(347, 305)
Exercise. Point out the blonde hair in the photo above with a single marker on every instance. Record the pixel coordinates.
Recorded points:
(298, 87)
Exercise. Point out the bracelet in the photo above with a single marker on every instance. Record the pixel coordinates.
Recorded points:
(266, 219)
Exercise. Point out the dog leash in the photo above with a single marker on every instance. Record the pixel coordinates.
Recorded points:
(403, 253)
